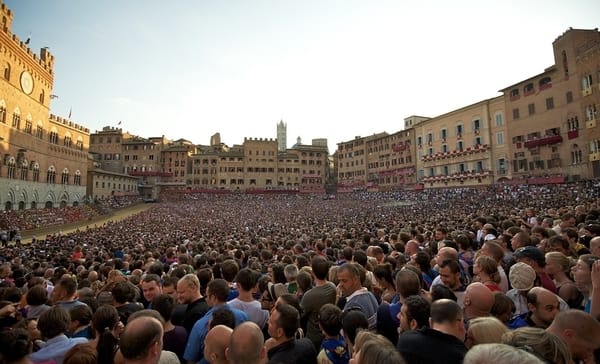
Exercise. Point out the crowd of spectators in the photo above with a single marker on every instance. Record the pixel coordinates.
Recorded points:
(414, 276)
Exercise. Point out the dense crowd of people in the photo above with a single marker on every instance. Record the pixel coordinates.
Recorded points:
(473, 275)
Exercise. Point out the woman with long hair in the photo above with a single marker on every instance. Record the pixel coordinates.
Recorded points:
(107, 327)
(558, 267)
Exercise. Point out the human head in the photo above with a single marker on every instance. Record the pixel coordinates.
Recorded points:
(414, 313)
(375, 349)
(530, 255)
(141, 341)
(188, 289)
(217, 292)
(246, 344)
(216, 343)
(582, 272)
(447, 316)
(450, 274)
(15, 345)
(64, 290)
(503, 308)
(151, 286)
(123, 292)
(520, 240)
(348, 276)
(353, 320)
(484, 330)
(522, 276)
(543, 305)
(55, 321)
(446, 253)
(246, 280)
(291, 272)
(284, 322)
(408, 283)
(579, 330)
(169, 285)
(556, 262)
(81, 315)
(542, 343)
(81, 354)
(478, 300)
(595, 246)
(320, 267)
(165, 305)
(499, 353)
(330, 319)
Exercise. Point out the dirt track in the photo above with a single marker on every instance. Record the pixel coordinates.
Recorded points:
(117, 215)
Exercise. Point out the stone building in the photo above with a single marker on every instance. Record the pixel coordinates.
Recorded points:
(43, 156)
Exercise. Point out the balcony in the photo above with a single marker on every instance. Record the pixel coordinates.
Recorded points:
(548, 140)
(586, 91)
(399, 148)
(594, 156)
(590, 124)
(572, 134)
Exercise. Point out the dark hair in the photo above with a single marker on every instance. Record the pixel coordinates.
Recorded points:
(81, 313)
(418, 309)
(104, 320)
(14, 345)
(219, 288)
(439, 291)
(320, 267)
(55, 321)
(445, 311)
(68, 284)
(152, 278)
(36, 295)
(330, 319)
(165, 305)
(83, 354)
(304, 281)
(423, 259)
(384, 271)
(291, 299)
(229, 269)
(354, 320)
(222, 316)
(408, 282)
(246, 279)
(170, 281)
(123, 292)
(278, 273)
(289, 319)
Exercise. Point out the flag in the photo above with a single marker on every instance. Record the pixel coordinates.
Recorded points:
(28, 39)
(70, 111)
(119, 123)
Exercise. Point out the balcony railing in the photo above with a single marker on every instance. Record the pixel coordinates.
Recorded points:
(455, 153)
(553, 139)
(572, 134)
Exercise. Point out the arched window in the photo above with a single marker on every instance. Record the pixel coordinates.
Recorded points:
(35, 166)
(51, 175)
(77, 178)
(7, 72)
(67, 140)
(28, 124)
(24, 169)
(16, 121)
(39, 130)
(65, 177)
(12, 163)
(53, 138)
(2, 111)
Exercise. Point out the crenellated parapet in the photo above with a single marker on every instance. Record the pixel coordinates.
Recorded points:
(66, 122)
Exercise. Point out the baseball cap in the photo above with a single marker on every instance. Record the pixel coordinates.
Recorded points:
(521, 276)
(532, 253)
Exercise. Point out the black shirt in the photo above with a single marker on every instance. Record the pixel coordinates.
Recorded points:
(429, 346)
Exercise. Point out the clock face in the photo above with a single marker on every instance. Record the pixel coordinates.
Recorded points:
(26, 82)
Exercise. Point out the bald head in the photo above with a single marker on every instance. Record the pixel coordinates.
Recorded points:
(215, 344)
(478, 300)
(141, 341)
(246, 344)
(595, 246)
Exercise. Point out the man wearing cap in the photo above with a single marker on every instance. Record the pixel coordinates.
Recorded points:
(522, 278)
(534, 257)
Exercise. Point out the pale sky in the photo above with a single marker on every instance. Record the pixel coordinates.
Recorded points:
(331, 69)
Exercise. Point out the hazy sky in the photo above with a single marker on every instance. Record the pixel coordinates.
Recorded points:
(330, 69)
